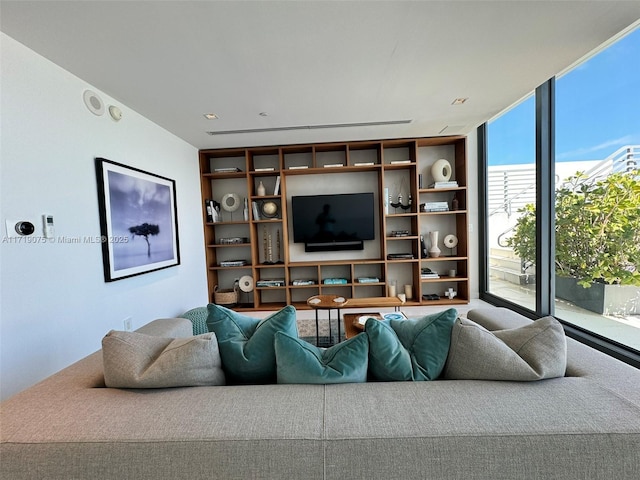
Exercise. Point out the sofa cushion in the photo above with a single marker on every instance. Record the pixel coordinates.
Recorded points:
(136, 360)
(534, 351)
(246, 343)
(301, 362)
(411, 349)
(389, 361)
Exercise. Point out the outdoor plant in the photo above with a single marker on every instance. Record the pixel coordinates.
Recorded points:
(597, 230)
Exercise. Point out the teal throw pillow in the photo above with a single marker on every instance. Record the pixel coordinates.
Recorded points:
(389, 360)
(247, 344)
(413, 349)
(301, 362)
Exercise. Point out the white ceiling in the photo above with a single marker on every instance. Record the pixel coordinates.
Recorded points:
(309, 63)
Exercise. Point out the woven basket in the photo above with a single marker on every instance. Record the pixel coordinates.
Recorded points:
(225, 297)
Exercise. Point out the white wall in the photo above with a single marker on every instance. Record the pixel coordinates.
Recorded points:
(55, 305)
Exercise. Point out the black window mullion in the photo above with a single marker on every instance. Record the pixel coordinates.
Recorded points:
(545, 194)
(483, 209)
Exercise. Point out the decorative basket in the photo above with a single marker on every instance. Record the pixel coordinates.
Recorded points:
(225, 297)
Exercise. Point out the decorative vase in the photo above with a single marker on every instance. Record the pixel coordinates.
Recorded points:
(261, 190)
(434, 251)
(441, 171)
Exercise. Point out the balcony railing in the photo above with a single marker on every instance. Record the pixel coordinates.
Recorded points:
(511, 188)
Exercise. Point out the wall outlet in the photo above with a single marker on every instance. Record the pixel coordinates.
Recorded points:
(127, 324)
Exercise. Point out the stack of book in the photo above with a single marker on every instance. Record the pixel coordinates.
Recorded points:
(276, 282)
(368, 280)
(233, 240)
(449, 184)
(233, 263)
(303, 281)
(436, 207)
(400, 256)
(427, 274)
(334, 281)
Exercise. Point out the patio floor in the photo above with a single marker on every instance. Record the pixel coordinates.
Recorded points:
(622, 329)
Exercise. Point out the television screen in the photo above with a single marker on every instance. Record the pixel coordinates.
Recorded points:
(333, 220)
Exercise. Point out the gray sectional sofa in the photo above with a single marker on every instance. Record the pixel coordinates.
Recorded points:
(585, 425)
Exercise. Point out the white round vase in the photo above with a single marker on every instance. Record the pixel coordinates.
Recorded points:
(441, 171)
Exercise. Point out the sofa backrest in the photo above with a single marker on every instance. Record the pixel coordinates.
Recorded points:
(582, 360)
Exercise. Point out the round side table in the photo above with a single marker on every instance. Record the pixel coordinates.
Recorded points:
(326, 302)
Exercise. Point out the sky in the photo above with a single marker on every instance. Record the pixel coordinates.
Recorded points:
(597, 110)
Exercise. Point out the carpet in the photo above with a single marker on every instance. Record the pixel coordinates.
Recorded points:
(307, 331)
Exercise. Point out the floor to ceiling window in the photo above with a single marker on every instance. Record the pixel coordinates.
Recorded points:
(598, 193)
(590, 203)
(511, 191)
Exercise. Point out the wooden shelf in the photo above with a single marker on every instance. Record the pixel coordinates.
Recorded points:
(228, 245)
(375, 157)
(443, 258)
(241, 267)
(443, 279)
(448, 212)
(234, 222)
(440, 190)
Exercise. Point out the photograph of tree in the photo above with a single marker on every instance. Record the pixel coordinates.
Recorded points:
(138, 220)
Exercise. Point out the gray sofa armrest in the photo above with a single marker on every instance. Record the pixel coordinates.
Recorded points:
(168, 327)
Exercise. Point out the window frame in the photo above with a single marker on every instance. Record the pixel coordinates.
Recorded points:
(545, 229)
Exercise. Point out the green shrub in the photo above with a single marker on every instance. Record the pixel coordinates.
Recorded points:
(597, 230)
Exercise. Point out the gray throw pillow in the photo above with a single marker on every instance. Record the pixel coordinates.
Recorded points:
(136, 360)
(532, 352)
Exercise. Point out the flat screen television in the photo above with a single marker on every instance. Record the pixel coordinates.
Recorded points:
(333, 222)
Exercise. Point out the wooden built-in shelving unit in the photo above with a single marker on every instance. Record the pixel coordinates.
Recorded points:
(393, 162)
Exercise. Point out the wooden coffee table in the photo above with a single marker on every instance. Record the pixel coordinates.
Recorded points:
(351, 329)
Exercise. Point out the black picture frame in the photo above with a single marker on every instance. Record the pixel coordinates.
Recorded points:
(138, 220)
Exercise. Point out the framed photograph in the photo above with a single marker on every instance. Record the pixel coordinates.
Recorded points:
(138, 220)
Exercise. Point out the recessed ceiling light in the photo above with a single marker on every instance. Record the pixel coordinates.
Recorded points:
(459, 101)
(210, 116)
